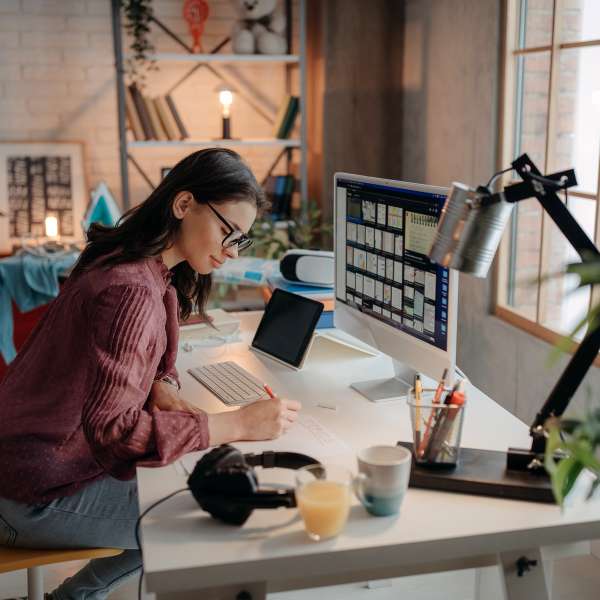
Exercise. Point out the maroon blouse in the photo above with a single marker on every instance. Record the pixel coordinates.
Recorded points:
(73, 404)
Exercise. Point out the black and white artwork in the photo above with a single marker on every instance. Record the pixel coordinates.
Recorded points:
(36, 181)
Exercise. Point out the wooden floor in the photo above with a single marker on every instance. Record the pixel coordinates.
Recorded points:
(574, 579)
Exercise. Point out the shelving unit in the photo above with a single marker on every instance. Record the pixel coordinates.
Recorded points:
(288, 61)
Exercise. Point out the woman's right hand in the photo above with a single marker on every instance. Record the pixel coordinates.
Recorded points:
(267, 419)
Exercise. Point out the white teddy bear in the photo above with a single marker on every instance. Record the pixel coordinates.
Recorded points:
(260, 28)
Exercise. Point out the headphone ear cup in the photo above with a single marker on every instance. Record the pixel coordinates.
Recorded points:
(220, 477)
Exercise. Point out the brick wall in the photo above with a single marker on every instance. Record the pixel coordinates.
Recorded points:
(57, 82)
(536, 74)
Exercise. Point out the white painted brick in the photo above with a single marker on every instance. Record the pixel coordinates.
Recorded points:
(37, 121)
(40, 73)
(10, 6)
(26, 89)
(9, 39)
(13, 133)
(50, 39)
(32, 56)
(100, 73)
(89, 24)
(33, 23)
(107, 135)
(10, 72)
(98, 7)
(53, 7)
(88, 57)
(11, 111)
(101, 42)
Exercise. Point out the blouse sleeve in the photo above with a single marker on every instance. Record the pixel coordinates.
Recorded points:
(121, 431)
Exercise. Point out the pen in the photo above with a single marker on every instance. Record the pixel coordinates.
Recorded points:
(269, 390)
(418, 390)
(443, 425)
(436, 400)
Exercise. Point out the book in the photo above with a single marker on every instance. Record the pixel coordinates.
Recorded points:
(290, 116)
(182, 130)
(310, 291)
(159, 131)
(285, 117)
(325, 320)
(283, 107)
(142, 111)
(132, 116)
(166, 118)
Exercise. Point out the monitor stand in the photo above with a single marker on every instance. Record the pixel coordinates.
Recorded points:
(393, 388)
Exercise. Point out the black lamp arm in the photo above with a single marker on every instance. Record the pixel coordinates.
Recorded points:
(544, 189)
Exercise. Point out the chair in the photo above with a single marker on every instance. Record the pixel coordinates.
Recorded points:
(15, 559)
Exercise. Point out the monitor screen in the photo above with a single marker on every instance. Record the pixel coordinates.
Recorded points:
(387, 274)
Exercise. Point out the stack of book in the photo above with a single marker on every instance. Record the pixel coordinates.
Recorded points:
(279, 190)
(286, 117)
(153, 118)
(321, 294)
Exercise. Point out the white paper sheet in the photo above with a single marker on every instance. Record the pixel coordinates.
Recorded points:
(307, 436)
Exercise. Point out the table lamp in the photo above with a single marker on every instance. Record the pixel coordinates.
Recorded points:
(226, 100)
(466, 239)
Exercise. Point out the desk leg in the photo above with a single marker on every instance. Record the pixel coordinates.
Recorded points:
(249, 591)
(531, 585)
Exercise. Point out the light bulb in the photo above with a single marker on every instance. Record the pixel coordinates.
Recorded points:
(226, 99)
(51, 224)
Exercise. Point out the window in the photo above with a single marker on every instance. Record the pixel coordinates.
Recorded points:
(551, 110)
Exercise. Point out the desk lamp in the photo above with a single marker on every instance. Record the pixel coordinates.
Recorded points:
(467, 236)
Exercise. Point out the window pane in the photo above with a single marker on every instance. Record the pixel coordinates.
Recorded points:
(531, 111)
(524, 258)
(580, 20)
(578, 123)
(562, 308)
(536, 23)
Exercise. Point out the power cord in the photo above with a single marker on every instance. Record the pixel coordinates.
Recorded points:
(137, 531)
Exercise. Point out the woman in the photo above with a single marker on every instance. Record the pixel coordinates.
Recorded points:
(94, 392)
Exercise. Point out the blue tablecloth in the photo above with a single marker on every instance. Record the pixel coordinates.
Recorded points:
(31, 281)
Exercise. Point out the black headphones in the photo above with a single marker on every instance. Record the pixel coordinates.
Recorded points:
(225, 485)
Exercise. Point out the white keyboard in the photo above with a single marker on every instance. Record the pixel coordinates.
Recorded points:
(233, 385)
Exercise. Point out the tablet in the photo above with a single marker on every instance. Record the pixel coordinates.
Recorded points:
(286, 329)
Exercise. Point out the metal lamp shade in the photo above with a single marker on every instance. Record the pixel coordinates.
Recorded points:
(469, 233)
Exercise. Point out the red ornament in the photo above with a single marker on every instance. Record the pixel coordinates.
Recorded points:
(195, 12)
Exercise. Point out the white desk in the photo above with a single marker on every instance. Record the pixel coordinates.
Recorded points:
(186, 552)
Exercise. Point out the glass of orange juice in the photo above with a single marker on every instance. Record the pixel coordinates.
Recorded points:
(323, 498)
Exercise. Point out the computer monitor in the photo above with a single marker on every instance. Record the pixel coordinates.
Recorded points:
(388, 293)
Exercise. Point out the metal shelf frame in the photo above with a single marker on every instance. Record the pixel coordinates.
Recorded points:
(289, 62)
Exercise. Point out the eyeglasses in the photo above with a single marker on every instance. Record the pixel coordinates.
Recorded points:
(235, 237)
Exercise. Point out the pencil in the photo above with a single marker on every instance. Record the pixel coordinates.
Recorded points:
(418, 390)
(269, 390)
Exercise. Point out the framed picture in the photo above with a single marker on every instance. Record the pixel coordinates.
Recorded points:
(38, 180)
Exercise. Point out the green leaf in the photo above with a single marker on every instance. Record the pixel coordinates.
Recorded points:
(564, 477)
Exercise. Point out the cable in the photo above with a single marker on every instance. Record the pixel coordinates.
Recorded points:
(137, 531)
(496, 175)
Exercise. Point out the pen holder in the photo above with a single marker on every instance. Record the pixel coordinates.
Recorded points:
(437, 429)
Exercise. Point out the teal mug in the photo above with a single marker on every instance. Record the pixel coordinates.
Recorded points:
(382, 481)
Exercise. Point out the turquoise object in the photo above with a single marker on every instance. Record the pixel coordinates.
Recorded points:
(383, 506)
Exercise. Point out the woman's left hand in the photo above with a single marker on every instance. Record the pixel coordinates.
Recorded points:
(164, 396)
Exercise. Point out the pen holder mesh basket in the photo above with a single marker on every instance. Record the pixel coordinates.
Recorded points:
(436, 429)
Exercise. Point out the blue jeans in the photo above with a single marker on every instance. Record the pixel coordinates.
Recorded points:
(102, 514)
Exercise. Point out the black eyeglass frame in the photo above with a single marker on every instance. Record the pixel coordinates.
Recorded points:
(243, 242)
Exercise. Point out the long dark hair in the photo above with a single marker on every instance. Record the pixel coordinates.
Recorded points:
(213, 175)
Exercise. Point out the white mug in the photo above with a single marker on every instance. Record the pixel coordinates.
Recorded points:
(384, 472)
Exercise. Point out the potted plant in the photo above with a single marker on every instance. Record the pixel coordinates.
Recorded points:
(138, 16)
(573, 444)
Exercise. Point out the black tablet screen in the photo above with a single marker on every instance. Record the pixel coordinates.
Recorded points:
(287, 326)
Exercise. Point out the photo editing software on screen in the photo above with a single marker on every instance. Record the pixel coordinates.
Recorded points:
(388, 274)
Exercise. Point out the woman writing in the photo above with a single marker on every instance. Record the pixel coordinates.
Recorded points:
(93, 394)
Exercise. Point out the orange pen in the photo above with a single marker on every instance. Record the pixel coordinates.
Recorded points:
(269, 390)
